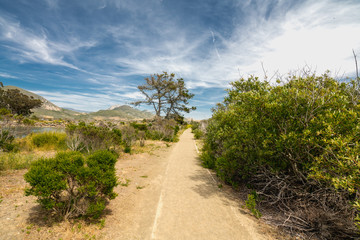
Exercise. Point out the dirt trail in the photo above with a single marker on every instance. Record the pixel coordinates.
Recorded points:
(183, 201)
(191, 205)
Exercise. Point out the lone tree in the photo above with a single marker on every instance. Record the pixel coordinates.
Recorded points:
(17, 102)
(166, 94)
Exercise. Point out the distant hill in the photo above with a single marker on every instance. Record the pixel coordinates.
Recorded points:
(121, 112)
(46, 104)
(50, 111)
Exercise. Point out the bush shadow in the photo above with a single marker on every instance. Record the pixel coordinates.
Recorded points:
(207, 185)
(41, 217)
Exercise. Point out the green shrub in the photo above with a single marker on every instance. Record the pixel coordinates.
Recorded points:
(28, 121)
(48, 140)
(250, 204)
(5, 112)
(306, 126)
(306, 129)
(198, 133)
(118, 134)
(73, 186)
(127, 149)
(194, 126)
(139, 126)
(208, 161)
(34, 117)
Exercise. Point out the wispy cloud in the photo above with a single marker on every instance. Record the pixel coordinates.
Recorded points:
(214, 40)
(5, 75)
(52, 3)
(34, 47)
(283, 37)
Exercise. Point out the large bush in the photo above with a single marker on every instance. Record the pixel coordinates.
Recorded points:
(71, 185)
(306, 129)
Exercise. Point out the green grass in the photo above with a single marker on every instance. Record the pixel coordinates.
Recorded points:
(101, 224)
(125, 184)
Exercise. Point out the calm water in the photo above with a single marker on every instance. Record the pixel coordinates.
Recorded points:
(24, 131)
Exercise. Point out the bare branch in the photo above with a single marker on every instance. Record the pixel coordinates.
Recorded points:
(356, 65)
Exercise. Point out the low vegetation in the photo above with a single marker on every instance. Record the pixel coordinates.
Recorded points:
(198, 129)
(89, 137)
(16, 161)
(296, 144)
(19, 152)
(49, 140)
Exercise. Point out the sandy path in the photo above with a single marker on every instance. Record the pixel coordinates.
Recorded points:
(181, 200)
(191, 206)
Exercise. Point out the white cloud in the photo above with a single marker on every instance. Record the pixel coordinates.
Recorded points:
(319, 34)
(52, 3)
(6, 75)
(133, 95)
(37, 47)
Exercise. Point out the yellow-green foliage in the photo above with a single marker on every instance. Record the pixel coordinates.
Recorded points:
(28, 121)
(15, 160)
(49, 140)
(250, 204)
(307, 127)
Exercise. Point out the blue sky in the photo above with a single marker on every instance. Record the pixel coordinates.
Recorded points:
(92, 54)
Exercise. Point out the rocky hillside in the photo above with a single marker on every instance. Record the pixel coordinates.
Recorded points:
(47, 105)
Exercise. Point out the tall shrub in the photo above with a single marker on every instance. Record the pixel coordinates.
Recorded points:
(306, 128)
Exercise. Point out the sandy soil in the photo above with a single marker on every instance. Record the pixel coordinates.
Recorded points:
(164, 194)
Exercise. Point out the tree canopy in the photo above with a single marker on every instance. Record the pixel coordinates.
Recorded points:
(166, 94)
(17, 102)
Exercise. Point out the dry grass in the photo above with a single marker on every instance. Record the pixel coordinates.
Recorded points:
(21, 160)
(150, 146)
